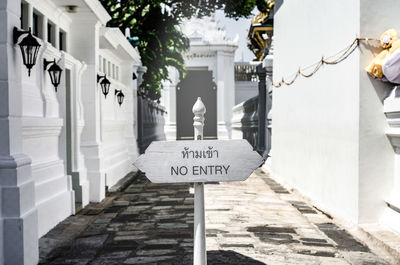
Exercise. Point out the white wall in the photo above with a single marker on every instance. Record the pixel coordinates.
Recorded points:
(117, 121)
(315, 132)
(44, 135)
(328, 133)
(102, 140)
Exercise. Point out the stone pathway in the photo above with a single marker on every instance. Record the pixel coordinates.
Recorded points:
(248, 223)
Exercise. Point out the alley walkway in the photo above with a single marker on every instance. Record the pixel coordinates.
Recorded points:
(248, 223)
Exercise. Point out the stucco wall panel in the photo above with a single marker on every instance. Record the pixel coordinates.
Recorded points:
(315, 120)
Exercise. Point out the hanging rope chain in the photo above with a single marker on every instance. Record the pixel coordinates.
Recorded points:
(343, 55)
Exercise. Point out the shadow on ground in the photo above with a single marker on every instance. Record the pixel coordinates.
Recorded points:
(214, 257)
(222, 257)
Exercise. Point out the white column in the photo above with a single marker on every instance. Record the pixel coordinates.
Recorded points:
(199, 251)
(225, 91)
(91, 144)
(30, 15)
(268, 65)
(169, 101)
(43, 28)
(221, 129)
(77, 123)
(18, 215)
(56, 36)
(391, 217)
(131, 137)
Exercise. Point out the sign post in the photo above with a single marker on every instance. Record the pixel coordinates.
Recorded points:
(199, 251)
(197, 162)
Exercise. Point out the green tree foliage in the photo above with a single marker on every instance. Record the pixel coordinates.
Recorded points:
(156, 23)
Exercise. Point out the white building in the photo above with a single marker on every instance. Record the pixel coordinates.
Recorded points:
(210, 66)
(331, 139)
(60, 148)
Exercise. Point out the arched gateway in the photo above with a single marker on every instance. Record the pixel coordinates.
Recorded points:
(210, 66)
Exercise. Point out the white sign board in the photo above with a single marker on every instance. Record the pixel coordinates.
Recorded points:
(198, 161)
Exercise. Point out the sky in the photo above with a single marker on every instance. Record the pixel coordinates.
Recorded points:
(233, 27)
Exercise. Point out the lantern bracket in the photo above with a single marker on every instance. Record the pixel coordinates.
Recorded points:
(17, 33)
(46, 63)
(117, 91)
(99, 77)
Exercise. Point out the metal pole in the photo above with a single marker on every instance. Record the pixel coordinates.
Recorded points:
(261, 109)
(199, 251)
(140, 122)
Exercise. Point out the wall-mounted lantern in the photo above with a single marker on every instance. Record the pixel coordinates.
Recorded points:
(120, 96)
(29, 47)
(104, 83)
(54, 72)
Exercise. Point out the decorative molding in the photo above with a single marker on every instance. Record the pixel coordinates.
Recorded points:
(98, 10)
(200, 55)
(53, 12)
(115, 38)
(14, 161)
(41, 127)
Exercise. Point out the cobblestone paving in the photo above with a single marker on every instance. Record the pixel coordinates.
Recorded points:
(248, 223)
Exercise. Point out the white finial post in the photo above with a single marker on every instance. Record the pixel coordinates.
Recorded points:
(198, 110)
(199, 251)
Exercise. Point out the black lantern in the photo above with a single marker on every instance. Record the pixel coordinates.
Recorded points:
(120, 96)
(54, 72)
(29, 47)
(105, 84)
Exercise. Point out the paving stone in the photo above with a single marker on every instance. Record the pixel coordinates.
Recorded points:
(316, 244)
(161, 241)
(120, 203)
(317, 253)
(67, 261)
(164, 207)
(144, 260)
(90, 241)
(316, 240)
(343, 239)
(154, 252)
(114, 208)
(131, 237)
(173, 225)
(216, 231)
(237, 245)
(102, 220)
(116, 254)
(120, 245)
(362, 258)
